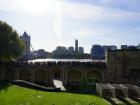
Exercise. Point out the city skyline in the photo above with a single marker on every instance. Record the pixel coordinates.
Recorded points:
(53, 23)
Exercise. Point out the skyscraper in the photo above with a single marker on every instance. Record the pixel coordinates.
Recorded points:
(76, 46)
(81, 50)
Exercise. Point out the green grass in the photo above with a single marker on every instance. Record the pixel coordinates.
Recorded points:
(15, 95)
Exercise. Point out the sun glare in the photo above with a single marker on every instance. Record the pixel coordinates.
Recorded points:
(37, 6)
(51, 7)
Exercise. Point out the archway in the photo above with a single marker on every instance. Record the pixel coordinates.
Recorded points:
(57, 74)
(9, 75)
(74, 77)
(40, 76)
(93, 76)
(25, 75)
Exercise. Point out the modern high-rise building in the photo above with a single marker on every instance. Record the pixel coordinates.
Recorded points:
(97, 52)
(81, 50)
(71, 50)
(76, 46)
(27, 40)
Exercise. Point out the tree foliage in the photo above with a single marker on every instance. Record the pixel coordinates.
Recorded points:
(11, 46)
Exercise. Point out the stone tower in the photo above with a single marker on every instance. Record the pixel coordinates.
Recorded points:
(26, 38)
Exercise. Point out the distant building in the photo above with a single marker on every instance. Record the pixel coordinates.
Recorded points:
(61, 49)
(76, 46)
(26, 38)
(124, 47)
(132, 47)
(109, 47)
(60, 52)
(138, 46)
(97, 52)
(71, 50)
(41, 53)
(27, 41)
(81, 50)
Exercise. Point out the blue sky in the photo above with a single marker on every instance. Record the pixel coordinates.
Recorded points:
(54, 23)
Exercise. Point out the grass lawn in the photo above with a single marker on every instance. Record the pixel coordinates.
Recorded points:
(15, 95)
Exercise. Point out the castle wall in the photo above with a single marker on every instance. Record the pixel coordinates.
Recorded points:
(123, 66)
(81, 74)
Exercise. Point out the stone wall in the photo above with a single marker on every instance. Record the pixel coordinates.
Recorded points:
(123, 66)
(70, 74)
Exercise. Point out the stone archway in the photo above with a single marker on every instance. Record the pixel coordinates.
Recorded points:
(25, 75)
(74, 77)
(93, 76)
(57, 74)
(9, 75)
(40, 76)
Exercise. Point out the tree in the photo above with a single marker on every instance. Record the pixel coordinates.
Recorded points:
(11, 46)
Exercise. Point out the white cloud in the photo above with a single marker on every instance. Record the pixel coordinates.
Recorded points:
(97, 13)
(71, 9)
(58, 21)
(85, 33)
(28, 6)
(7, 5)
(130, 5)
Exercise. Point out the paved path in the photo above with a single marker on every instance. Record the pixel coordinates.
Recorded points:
(33, 85)
(59, 84)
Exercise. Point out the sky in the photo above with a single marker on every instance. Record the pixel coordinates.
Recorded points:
(52, 23)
